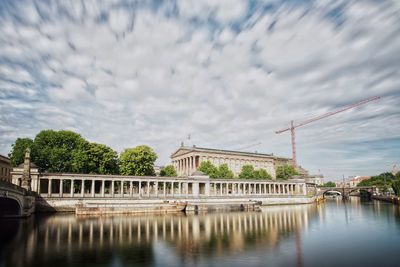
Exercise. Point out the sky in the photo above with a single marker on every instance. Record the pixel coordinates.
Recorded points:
(229, 73)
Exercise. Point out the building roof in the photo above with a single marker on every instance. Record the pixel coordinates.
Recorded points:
(223, 151)
(4, 158)
(33, 165)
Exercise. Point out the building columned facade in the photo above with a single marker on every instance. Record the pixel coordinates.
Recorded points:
(186, 160)
(5, 168)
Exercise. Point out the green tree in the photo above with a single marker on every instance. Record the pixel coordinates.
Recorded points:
(168, 171)
(396, 187)
(95, 158)
(137, 161)
(247, 172)
(53, 150)
(329, 184)
(224, 172)
(208, 168)
(18, 150)
(261, 174)
(284, 172)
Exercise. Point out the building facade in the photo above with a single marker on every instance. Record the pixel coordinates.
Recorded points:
(186, 160)
(5, 168)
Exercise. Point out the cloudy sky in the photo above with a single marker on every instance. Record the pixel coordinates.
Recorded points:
(227, 72)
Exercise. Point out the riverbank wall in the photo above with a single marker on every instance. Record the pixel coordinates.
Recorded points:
(393, 200)
(125, 206)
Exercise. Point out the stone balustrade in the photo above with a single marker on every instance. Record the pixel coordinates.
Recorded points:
(115, 186)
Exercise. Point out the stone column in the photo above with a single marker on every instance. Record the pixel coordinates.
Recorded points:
(93, 182)
(112, 188)
(72, 188)
(165, 189)
(61, 188)
(49, 188)
(103, 185)
(140, 189)
(148, 189)
(130, 188)
(180, 188)
(156, 185)
(83, 188)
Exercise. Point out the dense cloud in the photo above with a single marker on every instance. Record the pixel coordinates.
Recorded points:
(229, 73)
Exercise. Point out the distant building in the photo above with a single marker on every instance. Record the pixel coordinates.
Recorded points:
(157, 170)
(315, 179)
(355, 180)
(186, 160)
(5, 168)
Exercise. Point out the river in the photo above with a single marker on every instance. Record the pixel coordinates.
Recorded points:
(333, 233)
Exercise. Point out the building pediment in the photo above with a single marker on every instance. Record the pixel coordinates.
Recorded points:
(180, 151)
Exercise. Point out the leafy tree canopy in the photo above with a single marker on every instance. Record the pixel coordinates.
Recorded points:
(66, 151)
(247, 172)
(261, 174)
(396, 186)
(208, 168)
(329, 184)
(18, 150)
(168, 171)
(224, 172)
(378, 180)
(286, 171)
(137, 161)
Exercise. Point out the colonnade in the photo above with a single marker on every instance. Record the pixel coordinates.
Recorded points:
(156, 187)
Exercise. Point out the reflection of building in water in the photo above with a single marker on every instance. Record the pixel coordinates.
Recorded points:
(207, 233)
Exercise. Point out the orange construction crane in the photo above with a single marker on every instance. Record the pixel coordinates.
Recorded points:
(293, 126)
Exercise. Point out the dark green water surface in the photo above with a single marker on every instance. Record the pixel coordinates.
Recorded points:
(334, 233)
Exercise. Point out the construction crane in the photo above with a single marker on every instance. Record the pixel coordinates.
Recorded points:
(293, 126)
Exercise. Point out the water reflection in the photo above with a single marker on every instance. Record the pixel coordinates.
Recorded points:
(48, 240)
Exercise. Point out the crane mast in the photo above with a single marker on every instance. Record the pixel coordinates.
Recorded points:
(293, 126)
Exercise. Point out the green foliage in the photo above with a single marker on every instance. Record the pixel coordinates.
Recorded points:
(247, 172)
(284, 172)
(261, 174)
(396, 186)
(168, 171)
(138, 161)
(95, 158)
(53, 150)
(224, 172)
(208, 168)
(378, 180)
(18, 150)
(66, 151)
(329, 184)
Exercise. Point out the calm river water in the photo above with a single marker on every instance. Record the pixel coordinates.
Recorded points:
(354, 233)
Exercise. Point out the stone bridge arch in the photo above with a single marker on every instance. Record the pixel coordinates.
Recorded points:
(15, 201)
(345, 192)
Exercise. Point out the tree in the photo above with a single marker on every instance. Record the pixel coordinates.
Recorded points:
(17, 153)
(247, 172)
(95, 158)
(137, 161)
(53, 150)
(261, 174)
(284, 172)
(329, 184)
(168, 171)
(224, 171)
(208, 168)
(396, 187)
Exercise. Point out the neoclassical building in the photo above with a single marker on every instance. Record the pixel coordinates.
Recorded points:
(186, 160)
(5, 168)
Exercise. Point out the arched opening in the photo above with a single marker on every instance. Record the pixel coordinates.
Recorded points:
(332, 194)
(9, 207)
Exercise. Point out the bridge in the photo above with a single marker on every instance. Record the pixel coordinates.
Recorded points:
(345, 191)
(15, 200)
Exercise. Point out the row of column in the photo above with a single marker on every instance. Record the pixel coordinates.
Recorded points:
(229, 188)
(142, 188)
(186, 166)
